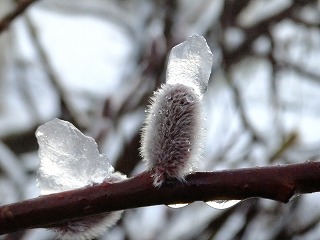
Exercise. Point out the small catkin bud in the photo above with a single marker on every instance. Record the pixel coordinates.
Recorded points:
(171, 139)
(88, 227)
(91, 227)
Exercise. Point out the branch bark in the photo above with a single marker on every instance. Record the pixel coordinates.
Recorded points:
(20, 8)
(279, 183)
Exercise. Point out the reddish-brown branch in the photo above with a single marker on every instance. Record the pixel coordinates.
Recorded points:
(21, 7)
(279, 183)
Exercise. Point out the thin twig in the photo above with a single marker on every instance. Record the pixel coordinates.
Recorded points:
(20, 8)
(280, 183)
(300, 69)
(257, 30)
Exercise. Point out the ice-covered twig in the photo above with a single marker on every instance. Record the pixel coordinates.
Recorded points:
(280, 183)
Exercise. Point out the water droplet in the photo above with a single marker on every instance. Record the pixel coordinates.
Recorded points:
(189, 150)
(178, 205)
(160, 111)
(223, 204)
(146, 110)
(168, 97)
(189, 98)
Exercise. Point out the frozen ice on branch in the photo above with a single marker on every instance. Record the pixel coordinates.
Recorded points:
(71, 160)
(190, 64)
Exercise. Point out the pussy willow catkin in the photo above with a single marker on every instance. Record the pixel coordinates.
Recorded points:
(90, 227)
(173, 132)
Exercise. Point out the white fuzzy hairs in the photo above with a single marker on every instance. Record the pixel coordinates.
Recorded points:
(92, 226)
(172, 136)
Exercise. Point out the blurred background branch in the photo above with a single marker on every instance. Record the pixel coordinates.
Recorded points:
(19, 9)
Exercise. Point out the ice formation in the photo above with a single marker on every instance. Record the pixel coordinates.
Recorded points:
(190, 64)
(71, 160)
(173, 131)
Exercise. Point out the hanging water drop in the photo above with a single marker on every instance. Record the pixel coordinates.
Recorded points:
(178, 205)
(222, 204)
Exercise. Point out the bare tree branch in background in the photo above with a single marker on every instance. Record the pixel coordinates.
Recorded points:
(253, 32)
(20, 8)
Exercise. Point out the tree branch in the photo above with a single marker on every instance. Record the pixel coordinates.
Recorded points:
(257, 30)
(279, 183)
(20, 8)
(300, 69)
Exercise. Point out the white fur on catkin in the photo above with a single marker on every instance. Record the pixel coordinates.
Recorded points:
(173, 132)
(88, 227)
(91, 227)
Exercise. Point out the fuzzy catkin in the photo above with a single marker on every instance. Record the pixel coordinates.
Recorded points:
(87, 228)
(171, 137)
(91, 227)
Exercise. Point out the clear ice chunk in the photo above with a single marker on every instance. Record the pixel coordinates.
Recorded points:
(190, 64)
(69, 159)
